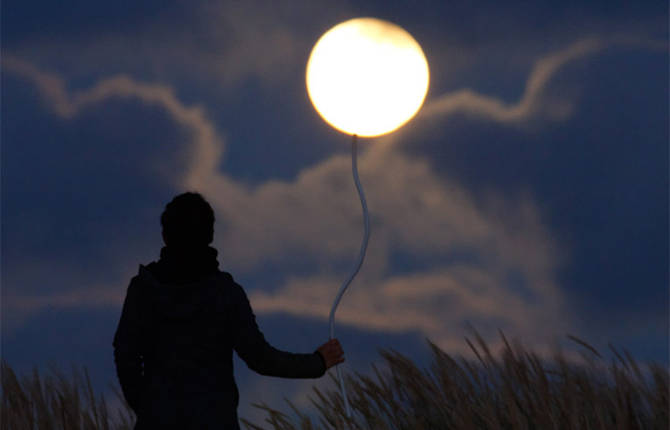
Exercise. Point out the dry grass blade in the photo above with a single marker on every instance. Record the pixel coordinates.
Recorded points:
(518, 390)
(585, 345)
(515, 390)
(56, 401)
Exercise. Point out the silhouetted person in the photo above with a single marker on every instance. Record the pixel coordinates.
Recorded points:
(182, 318)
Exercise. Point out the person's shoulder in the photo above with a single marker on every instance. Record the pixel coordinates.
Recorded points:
(226, 281)
(231, 287)
(139, 282)
(225, 277)
(145, 274)
(226, 291)
(142, 276)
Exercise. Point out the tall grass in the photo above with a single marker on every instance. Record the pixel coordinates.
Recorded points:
(515, 390)
(57, 401)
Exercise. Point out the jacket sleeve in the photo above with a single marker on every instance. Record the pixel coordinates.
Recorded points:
(128, 347)
(260, 356)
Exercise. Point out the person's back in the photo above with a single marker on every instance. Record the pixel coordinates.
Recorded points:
(181, 321)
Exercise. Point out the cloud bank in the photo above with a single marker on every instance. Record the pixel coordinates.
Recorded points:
(490, 262)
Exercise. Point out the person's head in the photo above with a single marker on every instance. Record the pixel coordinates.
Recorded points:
(188, 222)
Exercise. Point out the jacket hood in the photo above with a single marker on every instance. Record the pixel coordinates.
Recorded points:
(180, 301)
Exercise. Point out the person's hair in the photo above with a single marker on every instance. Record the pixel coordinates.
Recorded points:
(188, 221)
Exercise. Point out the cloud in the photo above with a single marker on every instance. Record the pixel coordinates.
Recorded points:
(530, 103)
(91, 296)
(487, 262)
(491, 260)
(208, 146)
(533, 102)
(19, 307)
(218, 44)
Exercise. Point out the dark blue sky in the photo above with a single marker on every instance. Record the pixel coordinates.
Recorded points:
(530, 193)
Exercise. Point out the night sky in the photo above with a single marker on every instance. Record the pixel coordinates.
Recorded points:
(529, 194)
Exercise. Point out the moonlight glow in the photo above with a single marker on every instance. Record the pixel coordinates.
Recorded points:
(367, 77)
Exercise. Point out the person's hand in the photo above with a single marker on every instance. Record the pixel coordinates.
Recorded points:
(332, 353)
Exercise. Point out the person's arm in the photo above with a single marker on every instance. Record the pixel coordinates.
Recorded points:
(128, 347)
(251, 346)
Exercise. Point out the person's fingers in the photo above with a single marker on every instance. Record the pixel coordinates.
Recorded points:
(333, 348)
(332, 352)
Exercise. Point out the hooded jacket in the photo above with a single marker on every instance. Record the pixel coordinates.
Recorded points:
(173, 348)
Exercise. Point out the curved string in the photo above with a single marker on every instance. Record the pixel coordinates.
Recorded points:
(359, 263)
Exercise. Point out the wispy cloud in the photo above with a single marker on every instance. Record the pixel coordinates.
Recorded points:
(208, 146)
(531, 102)
(17, 306)
(215, 43)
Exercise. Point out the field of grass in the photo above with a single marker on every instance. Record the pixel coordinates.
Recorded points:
(57, 401)
(515, 389)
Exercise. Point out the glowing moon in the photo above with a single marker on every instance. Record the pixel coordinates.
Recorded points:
(367, 77)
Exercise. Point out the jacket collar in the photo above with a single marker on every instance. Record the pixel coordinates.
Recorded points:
(181, 266)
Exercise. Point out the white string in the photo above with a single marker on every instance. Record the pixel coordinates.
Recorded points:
(359, 263)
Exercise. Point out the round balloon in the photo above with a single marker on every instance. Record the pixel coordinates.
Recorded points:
(367, 77)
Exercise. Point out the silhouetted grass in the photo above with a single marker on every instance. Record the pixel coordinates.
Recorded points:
(518, 390)
(57, 401)
(514, 390)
